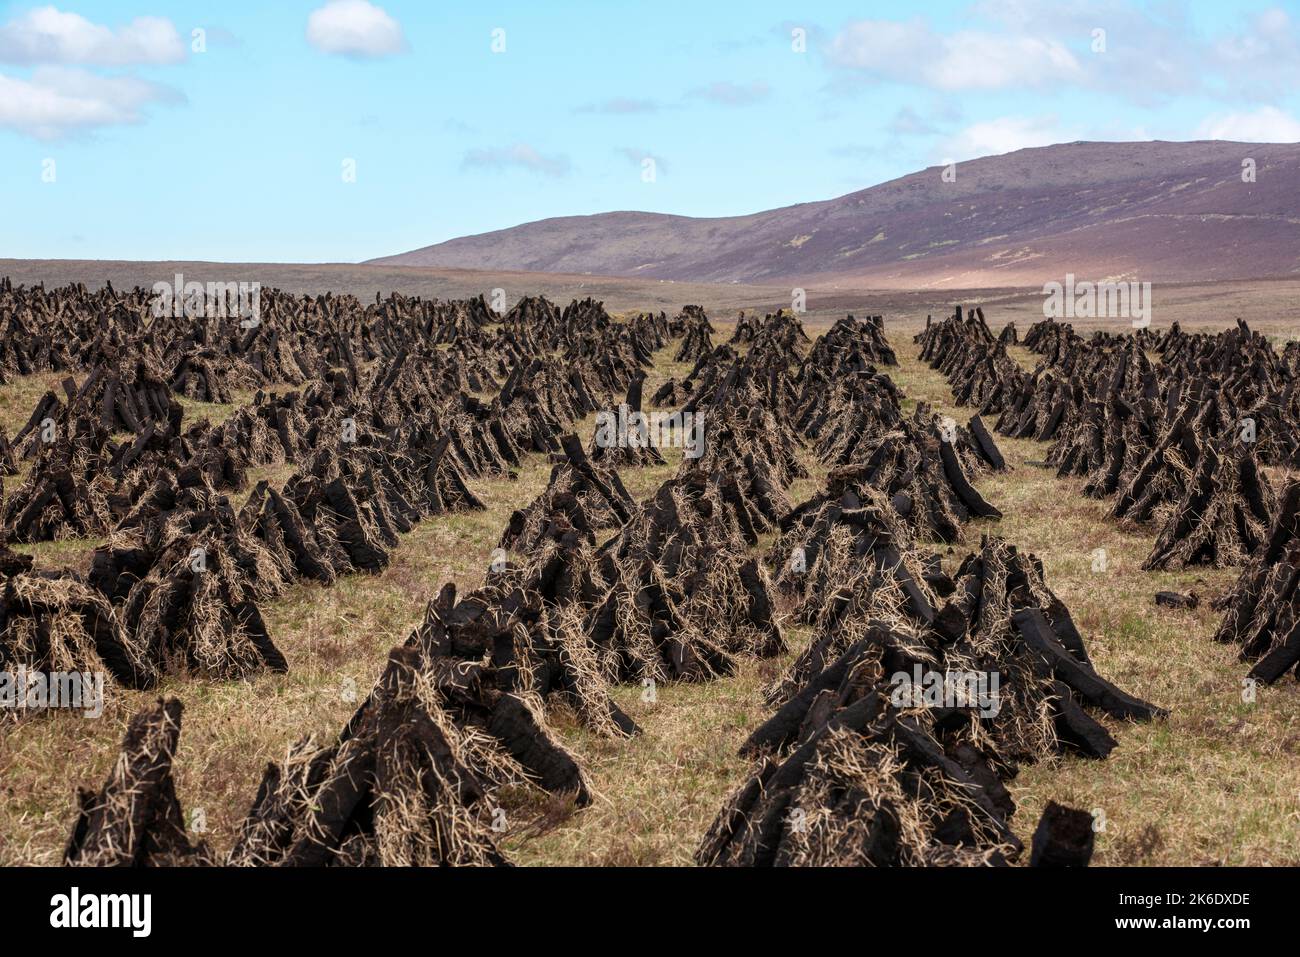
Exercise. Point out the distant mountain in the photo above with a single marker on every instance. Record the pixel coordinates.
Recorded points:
(1148, 211)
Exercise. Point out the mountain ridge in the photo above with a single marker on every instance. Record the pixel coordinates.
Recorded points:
(1153, 210)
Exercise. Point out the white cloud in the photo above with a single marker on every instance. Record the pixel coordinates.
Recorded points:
(48, 35)
(912, 52)
(1267, 34)
(354, 28)
(519, 156)
(1263, 60)
(1267, 124)
(60, 100)
(1151, 52)
(1005, 135)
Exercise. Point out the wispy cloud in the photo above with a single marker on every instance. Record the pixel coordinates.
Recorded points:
(858, 151)
(220, 36)
(637, 157)
(907, 122)
(1262, 59)
(47, 35)
(355, 28)
(726, 93)
(519, 156)
(622, 105)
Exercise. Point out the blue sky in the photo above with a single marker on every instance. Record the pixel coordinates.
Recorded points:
(237, 152)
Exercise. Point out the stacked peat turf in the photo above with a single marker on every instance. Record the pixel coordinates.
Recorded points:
(708, 372)
(217, 452)
(312, 551)
(583, 494)
(977, 366)
(378, 448)
(735, 426)
(524, 628)
(688, 316)
(1262, 610)
(81, 480)
(174, 509)
(865, 786)
(53, 622)
(858, 766)
(271, 429)
(847, 561)
(1179, 445)
(1105, 442)
(783, 328)
(189, 573)
(414, 799)
(1223, 514)
(1113, 416)
(1039, 408)
(853, 345)
(205, 375)
(299, 338)
(680, 599)
(135, 819)
(66, 493)
(410, 781)
(1002, 612)
(1203, 488)
(850, 346)
(8, 464)
(610, 359)
(480, 442)
(1051, 338)
(368, 494)
(756, 453)
(834, 410)
(536, 314)
(62, 498)
(922, 474)
(359, 525)
(695, 327)
(195, 611)
(670, 395)
(127, 392)
(412, 777)
(623, 437)
(747, 327)
(976, 449)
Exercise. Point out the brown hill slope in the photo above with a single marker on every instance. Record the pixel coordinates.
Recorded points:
(1151, 211)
